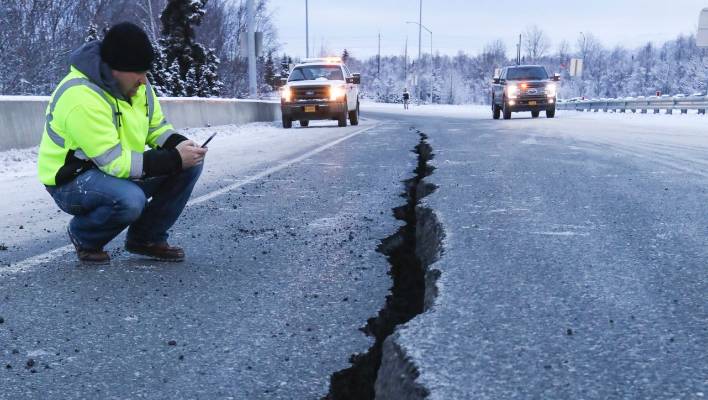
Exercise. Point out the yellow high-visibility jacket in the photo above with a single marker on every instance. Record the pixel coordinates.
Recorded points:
(87, 126)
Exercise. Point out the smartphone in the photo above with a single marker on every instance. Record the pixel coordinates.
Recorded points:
(209, 140)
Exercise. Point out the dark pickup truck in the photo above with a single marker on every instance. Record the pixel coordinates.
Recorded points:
(524, 88)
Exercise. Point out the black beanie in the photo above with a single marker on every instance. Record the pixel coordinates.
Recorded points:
(126, 47)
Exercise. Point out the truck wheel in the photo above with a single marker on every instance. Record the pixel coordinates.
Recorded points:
(342, 120)
(496, 113)
(304, 123)
(354, 116)
(535, 114)
(287, 122)
(507, 111)
(551, 113)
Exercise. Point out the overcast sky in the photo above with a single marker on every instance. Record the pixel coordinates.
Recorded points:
(469, 25)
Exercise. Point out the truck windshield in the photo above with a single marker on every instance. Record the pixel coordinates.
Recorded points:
(526, 74)
(314, 72)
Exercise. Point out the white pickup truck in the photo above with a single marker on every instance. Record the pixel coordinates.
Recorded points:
(320, 89)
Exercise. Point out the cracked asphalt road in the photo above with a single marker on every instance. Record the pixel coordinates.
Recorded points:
(574, 265)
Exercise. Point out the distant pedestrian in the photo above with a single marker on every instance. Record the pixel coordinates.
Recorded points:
(92, 157)
(406, 98)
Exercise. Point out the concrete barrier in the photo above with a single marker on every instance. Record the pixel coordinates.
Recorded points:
(22, 117)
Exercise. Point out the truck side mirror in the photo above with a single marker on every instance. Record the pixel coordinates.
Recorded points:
(356, 79)
(556, 77)
(283, 81)
(496, 81)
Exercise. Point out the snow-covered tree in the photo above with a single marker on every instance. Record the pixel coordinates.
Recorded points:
(285, 65)
(92, 33)
(192, 68)
(270, 79)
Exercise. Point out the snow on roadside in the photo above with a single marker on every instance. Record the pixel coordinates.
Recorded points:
(246, 133)
(16, 163)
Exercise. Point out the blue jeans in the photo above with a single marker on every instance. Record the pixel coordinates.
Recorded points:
(103, 205)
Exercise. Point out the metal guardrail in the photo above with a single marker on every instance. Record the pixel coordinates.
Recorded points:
(641, 104)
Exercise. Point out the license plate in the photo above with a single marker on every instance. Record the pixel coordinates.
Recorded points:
(310, 108)
(532, 103)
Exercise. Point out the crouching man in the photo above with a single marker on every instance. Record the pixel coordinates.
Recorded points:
(92, 156)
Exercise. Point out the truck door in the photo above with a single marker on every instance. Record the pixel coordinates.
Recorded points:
(351, 89)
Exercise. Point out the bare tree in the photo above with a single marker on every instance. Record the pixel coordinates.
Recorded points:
(493, 56)
(220, 30)
(535, 43)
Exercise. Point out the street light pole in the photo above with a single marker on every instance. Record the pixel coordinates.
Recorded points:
(420, 32)
(582, 52)
(518, 52)
(251, 35)
(420, 35)
(307, 30)
(420, 27)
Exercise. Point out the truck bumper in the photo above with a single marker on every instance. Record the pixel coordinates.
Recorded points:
(315, 110)
(532, 104)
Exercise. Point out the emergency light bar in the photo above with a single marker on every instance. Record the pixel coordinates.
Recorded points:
(323, 60)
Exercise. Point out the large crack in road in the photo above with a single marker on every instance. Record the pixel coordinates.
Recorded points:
(414, 247)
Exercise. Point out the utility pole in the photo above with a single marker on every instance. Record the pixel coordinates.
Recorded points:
(432, 67)
(451, 101)
(518, 52)
(307, 30)
(405, 63)
(582, 51)
(420, 37)
(251, 21)
(152, 21)
(378, 58)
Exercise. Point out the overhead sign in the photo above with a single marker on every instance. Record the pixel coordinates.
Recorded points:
(702, 35)
(576, 67)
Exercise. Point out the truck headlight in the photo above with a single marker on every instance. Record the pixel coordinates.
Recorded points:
(336, 92)
(512, 91)
(286, 94)
(551, 90)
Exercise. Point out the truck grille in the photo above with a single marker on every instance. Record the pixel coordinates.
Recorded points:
(310, 93)
(534, 89)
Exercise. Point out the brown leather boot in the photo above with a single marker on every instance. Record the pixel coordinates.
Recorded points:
(161, 251)
(94, 256)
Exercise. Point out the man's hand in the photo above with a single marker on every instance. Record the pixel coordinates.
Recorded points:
(191, 154)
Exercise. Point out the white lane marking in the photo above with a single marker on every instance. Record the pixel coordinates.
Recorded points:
(566, 233)
(30, 263)
(274, 169)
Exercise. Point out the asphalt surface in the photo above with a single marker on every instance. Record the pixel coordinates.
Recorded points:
(281, 275)
(574, 266)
